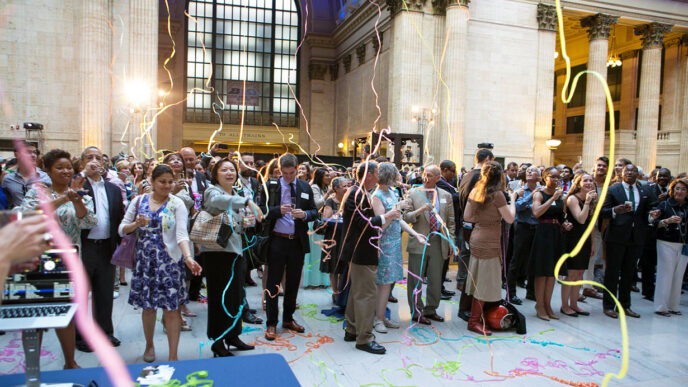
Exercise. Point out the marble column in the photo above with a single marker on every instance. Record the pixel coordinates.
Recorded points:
(648, 102)
(671, 103)
(595, 103)
(629, 80)
(143, 71)
(452, 109)
(94, 64)
(544, 84)
(683, 124)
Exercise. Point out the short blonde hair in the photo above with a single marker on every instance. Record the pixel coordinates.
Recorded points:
(122, 164)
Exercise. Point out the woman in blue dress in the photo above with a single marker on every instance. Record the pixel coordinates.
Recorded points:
(162, 250)
(390, 267)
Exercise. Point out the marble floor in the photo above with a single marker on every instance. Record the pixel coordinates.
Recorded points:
(572, 350)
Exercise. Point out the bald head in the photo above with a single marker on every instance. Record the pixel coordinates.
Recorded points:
(189, 157)
(431, 175)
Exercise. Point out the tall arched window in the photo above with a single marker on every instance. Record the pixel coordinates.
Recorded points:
(248, 40)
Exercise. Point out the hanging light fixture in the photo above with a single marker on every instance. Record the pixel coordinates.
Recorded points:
(614, 60)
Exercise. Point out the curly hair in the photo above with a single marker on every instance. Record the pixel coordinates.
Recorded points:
(51, 157)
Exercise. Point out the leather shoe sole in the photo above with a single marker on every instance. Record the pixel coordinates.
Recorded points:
(292, 325)
(611, 313)
(372, 347)
(434, 317)
(631, 313)
(448, 293)
(271, 334)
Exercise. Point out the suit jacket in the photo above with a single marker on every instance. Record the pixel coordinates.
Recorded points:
(466, 186)
(304, 201)
(115, 208)
(201, 182)
(421, 223)
(456, 202)
(358, 230)
(631, 227)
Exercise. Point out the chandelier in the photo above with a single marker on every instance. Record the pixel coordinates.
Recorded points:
(614, 60)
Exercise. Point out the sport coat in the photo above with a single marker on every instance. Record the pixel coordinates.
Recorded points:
(115, 209)
(360, 228)
(421, 223)
(304, 201)
(631, 227)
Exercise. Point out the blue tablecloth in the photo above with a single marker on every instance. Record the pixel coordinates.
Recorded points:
(254, 370)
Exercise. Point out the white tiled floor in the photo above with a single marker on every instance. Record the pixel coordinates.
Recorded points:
(572, 349)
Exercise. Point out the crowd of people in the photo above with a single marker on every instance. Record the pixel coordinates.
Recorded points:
(299, 224)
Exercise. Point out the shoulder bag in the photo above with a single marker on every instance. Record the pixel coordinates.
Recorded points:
(125, 254)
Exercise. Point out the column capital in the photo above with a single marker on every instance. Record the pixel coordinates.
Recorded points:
(441, 6)
(334, 71)
(347, 63)
(598, 25)
(396, 6)
(547, 17)
(652, 34)
(316, 71)
(361, 53)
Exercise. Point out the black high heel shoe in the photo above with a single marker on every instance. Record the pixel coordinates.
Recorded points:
(219, 349)
(240, 345)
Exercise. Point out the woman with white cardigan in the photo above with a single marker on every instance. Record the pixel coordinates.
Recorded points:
(162, 250)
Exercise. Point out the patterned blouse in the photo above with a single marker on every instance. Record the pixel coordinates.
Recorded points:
(66, 214)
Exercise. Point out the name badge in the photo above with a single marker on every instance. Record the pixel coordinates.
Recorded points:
(272, 182)
(304, 196)
(443, 201)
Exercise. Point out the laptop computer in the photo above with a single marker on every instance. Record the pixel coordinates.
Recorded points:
(41, 298)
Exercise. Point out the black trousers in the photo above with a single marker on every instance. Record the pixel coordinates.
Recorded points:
(648, 263)
(518, 266)
(222, 266)
(619, 274)
(508, 230)
(96, 257)
(285, 255)
(195, 281)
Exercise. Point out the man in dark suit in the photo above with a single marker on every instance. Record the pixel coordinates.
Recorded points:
(197, 183)
(448, 175)
(627, 205)
(648, 261)
(99, 243)
(290, 206)
(360, 226)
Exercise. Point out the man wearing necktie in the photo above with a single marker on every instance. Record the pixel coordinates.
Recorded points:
(627, 205)
(431, 213)
(290, 207)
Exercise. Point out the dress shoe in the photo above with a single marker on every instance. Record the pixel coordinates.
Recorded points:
(676, 312)
(611, 313)
(422, 319)
(464, 315)
(219, 350)
(294, 326)
(349, 337)
(250, 318)
(435, 317)
(665, 314)
(444, 297)
(446, 292)
(240, 345)
(82, 346)
(635, 289)
(515, 300)
(592, 293)
(372, 347)
(393, 299)
(631, 313)
(114, 341)
(271, 333)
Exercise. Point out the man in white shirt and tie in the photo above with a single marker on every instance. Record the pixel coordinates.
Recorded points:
(99, 243)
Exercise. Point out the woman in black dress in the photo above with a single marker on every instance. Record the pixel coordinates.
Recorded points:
(580, 203)
(329, 258)
(548, 243)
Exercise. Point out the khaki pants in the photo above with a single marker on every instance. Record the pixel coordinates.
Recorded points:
(432, 268)
(360, 308)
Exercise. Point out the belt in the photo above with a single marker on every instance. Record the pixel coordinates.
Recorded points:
(285, 236)
(97, 241)
(528, 225)
(548, 221)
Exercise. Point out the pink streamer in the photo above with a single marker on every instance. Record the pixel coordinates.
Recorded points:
(114, 365)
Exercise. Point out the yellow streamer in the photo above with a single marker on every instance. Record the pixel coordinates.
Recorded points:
(622, 315)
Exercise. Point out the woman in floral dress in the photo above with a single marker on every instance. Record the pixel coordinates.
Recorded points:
(74, 213)
(390, 265)
(162, 250)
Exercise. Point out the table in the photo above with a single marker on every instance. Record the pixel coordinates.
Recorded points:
(253, 370)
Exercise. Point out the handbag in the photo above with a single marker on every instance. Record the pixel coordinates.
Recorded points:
(211, 232)
(125, 254)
